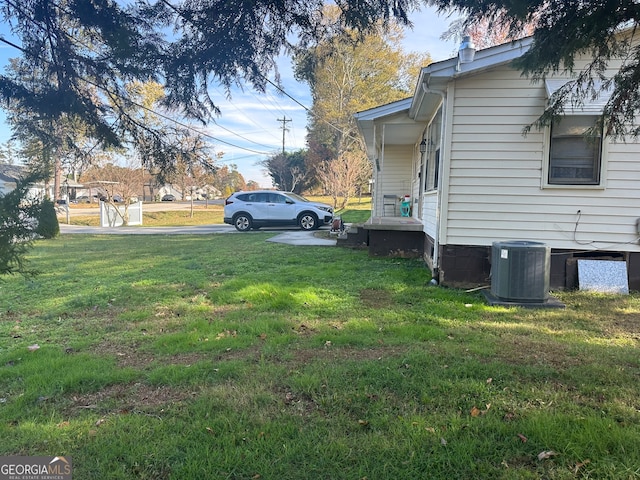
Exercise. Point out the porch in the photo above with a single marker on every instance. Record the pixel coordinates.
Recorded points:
(389, 237)
(402, 224)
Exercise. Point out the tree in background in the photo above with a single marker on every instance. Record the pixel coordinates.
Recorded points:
(345, 174)
(252, 185)
(60, 141)
(8, 152)
(228, 180)
(171, 149)
(564, 31)
(350, 71)
(289, 171)
(487, 32)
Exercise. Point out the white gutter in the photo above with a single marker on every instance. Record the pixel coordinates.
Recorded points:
(436, 240)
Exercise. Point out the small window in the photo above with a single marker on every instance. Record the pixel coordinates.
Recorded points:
(575, 158)
(261, 197)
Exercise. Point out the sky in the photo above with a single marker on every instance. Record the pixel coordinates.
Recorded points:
(248, 129)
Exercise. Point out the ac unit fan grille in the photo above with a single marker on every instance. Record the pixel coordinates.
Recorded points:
(520, 271)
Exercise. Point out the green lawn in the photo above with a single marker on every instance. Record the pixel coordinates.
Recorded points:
(228, 357)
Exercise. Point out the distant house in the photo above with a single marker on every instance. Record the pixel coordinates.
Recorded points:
(10, 174)
(456, 148)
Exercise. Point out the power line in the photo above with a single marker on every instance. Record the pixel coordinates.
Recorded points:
(147, 109)
(248, 118)
(277, 87)
(240, 136)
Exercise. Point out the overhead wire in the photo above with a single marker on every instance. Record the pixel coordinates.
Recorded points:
(180, 13)
(182, 124)
(249, 119)
(147, 109)
(155, 112)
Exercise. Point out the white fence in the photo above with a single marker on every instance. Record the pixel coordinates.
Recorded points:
(112, 216)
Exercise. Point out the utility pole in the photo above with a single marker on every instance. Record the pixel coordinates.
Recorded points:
(284, 129)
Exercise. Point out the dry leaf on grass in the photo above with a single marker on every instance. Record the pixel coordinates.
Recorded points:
(523, 438)
(547, 454)
(476, 412)
(579, 465)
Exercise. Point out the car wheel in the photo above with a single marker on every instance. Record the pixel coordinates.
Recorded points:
(308, 221)
(242, 222)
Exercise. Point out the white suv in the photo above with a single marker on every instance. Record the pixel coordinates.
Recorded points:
(270, 208)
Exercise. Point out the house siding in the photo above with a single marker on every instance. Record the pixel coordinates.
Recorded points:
(495, 185)
(429, 211)
(397, 170)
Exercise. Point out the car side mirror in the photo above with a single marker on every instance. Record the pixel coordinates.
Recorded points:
(289, 201)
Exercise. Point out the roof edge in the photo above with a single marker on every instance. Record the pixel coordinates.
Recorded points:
(384, 110)
(446, 70)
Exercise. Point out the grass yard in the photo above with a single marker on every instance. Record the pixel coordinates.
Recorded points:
(212, 214)
(228, 357)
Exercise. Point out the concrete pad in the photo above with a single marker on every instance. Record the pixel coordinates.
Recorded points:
(302, 238)
(493, 301)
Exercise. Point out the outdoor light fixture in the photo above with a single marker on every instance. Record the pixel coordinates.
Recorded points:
(466, 52)
(423, 145)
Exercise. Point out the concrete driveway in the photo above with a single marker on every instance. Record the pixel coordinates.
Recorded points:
(290, 237)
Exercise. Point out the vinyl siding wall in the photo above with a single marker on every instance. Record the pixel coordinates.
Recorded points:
(495, 185)
(429, 212)
(394, 177)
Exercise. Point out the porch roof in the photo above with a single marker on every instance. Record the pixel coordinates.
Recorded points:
(397, 127)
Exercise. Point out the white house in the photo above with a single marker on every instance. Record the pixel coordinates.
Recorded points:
(9, 176)
(480, 180)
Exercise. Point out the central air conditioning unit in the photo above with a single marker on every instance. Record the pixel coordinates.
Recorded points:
(520, 271)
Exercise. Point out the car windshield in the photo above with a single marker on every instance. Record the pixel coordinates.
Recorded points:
(297, 197)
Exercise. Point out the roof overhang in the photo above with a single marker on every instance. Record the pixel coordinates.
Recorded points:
(393, 118)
